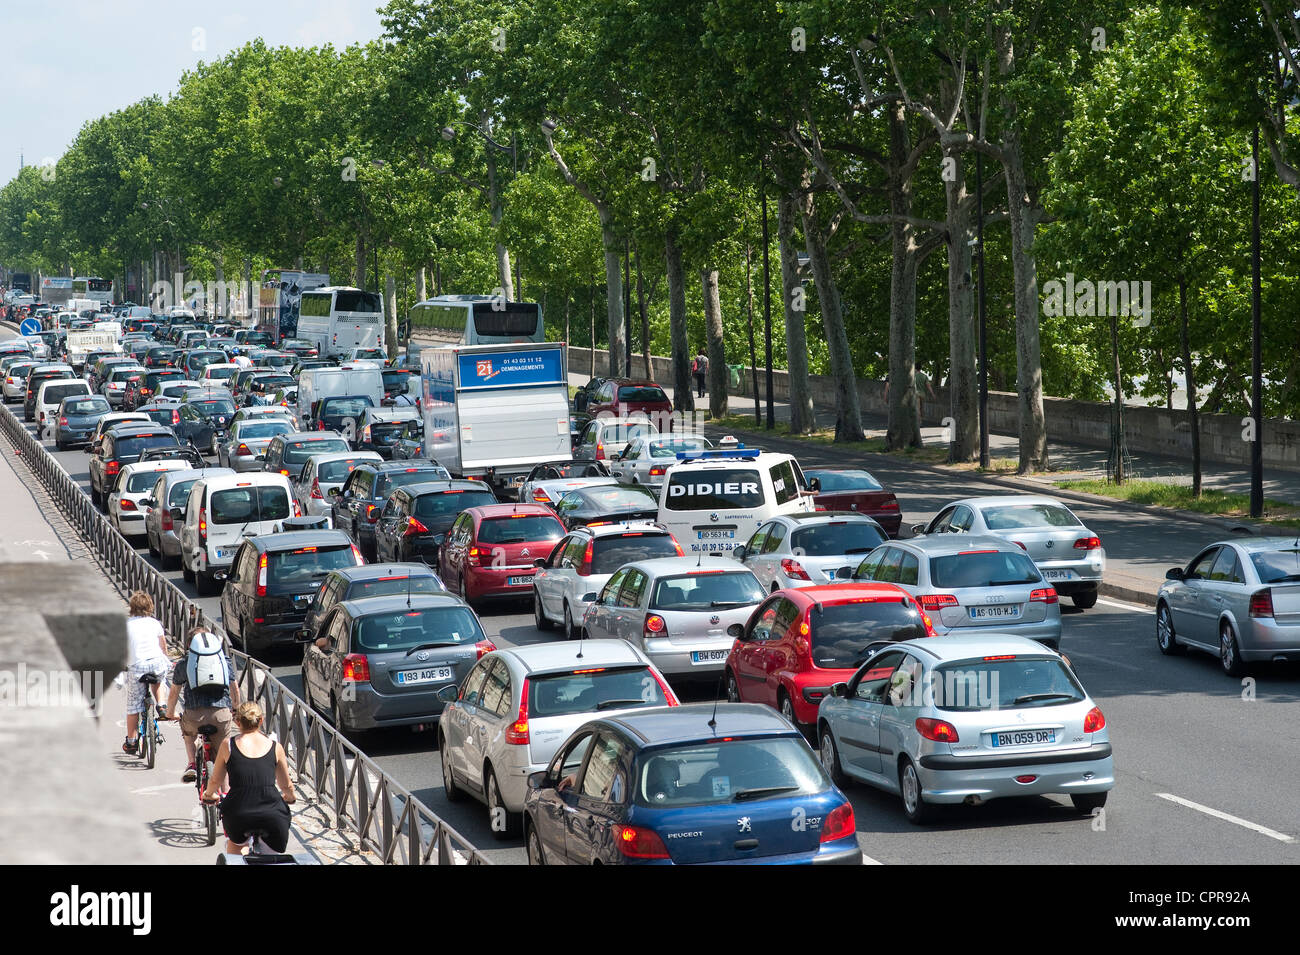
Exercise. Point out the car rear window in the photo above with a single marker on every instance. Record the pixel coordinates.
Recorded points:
(180, 493)
(842, 632)
(728, 771)
(845, 480)
(141, 481)
(1013, 516)
(706, 590)
(396, 479)
(88, 406)
(642, 393)
(1026, 681)
(201, 359)
(1277, 566)
(613, 497)
(714, 488)
(517, 530)
(450, 503)
(442, 626)
(264, 429)
(591, 690)
(983, 569)
(215, 406)
(292, 569)
(221, 372)
(56, 393)
(161, 416)
(836, 537)
(134, 446)
(344, 406)
(386, 432)
(334, 472)
(625, 433)
(297, 452)
(238, 505)
(608, 554)
(393, 584)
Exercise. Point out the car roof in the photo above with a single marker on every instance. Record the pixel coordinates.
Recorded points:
(376, 571)
(162, 464)
(1255, 545)
(1007, 499)
(655, 567)
(701, 721)
(941, 545)
(560, 656)
(403, 466)
(843, 592)
(642, 526)
(131, 428)
(368, 606)
(293, 540)
(433, 487)
(187, 474)
(309, 435)
(825, 517)
(488, 511)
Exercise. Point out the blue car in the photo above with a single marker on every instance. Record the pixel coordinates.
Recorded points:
(688, 784)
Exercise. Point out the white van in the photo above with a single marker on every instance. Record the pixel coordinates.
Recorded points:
(317, 383)
(713, 501)
(47, 401)
(221, 512)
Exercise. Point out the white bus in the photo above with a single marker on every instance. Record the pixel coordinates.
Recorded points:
(476, 320)
(337, 319)
(93, 287)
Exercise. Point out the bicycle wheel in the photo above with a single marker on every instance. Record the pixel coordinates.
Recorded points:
(210, 811)
(149, 736)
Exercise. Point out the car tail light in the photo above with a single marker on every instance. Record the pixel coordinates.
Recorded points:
(793, 569)
(176, 416)
(1261, 603)
(658, 471)
(1094, 720)
(1020, 545)
(125, 504)
(655, 626)
(889, 506)
(167, 524)
(316, 495)
(320, 425)
(600, 452)
(941, 731)
(111, 468)
(840, 824)
(540, 496)
(484, 647)
(371, 516)
(242, 450)
(517, 732)
(584, 570)
(936, 601)
(1087, 543)
(413, 527)
(203, 525)
(637, 842)
(1026, 779)
(365, 434)
(1045, 595)
(63, 422)
(261, 576)
(356, 668)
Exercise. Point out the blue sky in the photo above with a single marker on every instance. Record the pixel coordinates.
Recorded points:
(68, 61)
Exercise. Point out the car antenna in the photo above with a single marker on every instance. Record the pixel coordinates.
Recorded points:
(408, 590)
(713, 718)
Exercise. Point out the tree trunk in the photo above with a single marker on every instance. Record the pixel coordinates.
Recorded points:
(716, 348)
(567, 340)
(1117, 439)
(503, 256)
(221, 307)
(390, 316)
(749, 315)
(645, 319)
(1190, 383)
(904, 423)
(683, 392)
(613, 294)
(360, 280)
(421, 284)
(802, 417)
(591, 368)
(963, 381)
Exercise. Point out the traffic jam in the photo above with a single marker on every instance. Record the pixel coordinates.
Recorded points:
(724, 648)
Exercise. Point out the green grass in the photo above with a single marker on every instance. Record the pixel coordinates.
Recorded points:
(1212, 502)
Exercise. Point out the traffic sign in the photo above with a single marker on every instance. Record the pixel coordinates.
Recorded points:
(30, 326)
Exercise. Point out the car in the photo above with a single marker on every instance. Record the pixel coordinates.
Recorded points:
(356, 508)
(1238, 599)
(582, 395)
(161, 356)
(15, 378)
(380, 662)
(800, 641)
(605, 437)
(415, 519)
(802, 550)
(853, 489)
(77, 418)
(378, 428)
(203, 418)
(322, 476)
(270, 358)
(399, 382)
(512, 711)
(187, 453)
(245, 446)
(409, 443)
(631, 398)
(370, 580)
(261, 389)
(37, 377)
(114, 418)
(103, 362)
(272, 581)
(125, 506)
(176, 389)
(113, 386)
(547, 483)
(140, 389)
(603, 504)
(219, 372)
(299, 348)
(287, 453)
(50, 396)
(970, 583)
(119, 446)
(731, 783)
(1067, 552)
(582, 562)
(363, 354)
(198, 359)
(967, 719)
(490, 550)
(338, 413)
(647, 458)
(170, 493)
(302, 364)
(261, 413)
(220, 512)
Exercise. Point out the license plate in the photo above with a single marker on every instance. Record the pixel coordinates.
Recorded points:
(1058, 575)
(995, 612)
(430, 675)
(709, 656)
(518, 480)
(518, 581)
(714, 535)
(223, 554)
(1023, 738)
(302, 599)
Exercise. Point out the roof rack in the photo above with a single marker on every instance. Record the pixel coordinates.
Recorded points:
(740, 452)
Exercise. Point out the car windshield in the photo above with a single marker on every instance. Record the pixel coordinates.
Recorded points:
(133, 447)
(297, 452)
(335, 472)
(1006, 517)
(345, 406)
(728, 771)
(608, 554)
(1024, 681)
(986, 568)
(293, 568)
(518, 529)
(87, 406)
(239, 505)
(706, 590)
(213, 406)
(393, 584)
(844, 480)
(1277, 566)
(411, 628)
(561, 694)
(714, 489)
(836, 537)
(450, 503)
(263, 429)
(668, 447)
(842, 632)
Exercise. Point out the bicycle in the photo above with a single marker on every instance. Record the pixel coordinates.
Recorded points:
(203, 763)
(150, 735)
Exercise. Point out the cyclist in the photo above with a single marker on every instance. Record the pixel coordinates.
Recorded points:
(208, 678)
(146, 646)
(257, 767)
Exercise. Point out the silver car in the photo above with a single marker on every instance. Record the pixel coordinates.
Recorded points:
(677, 609)
(803, 550)
(162, 527)
(114, 386)
(603, 437)
(517, 706)
(1068, 553)
(322, 475)
(647, 458)
(966, 583)
(1239, 599)
(246, 444)
(967, 719)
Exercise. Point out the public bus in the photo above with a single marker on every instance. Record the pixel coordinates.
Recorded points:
(339, 319)
(279, 299)
(476, 320)
(93, 288)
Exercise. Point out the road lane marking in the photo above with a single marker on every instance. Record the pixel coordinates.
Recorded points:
(1124, 606)
(1235, 820)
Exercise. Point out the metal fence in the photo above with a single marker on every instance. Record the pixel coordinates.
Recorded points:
(384, 817)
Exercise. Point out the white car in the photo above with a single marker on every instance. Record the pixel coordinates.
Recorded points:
(134, 483)
(176, 388)
(38, 347)
(322, 475)
(647, 458)
(48, 398)
(804, 550)
(15, 382)
(220, 513)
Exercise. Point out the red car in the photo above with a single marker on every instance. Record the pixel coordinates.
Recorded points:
(624, 397)
(856, 490)
(490, 550)
(798, 643)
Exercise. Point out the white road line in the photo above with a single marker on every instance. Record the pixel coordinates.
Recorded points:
(867, 860)
(1125, 606)
(1235, 820)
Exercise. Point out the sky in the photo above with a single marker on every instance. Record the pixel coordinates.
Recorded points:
(69, 61)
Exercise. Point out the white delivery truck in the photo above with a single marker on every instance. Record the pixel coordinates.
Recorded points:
(493, 411)
(317, 383)
(79, 343)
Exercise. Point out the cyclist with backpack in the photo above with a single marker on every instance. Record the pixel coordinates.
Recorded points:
(207, 677)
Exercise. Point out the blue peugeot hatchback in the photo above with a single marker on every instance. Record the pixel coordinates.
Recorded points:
(688, 784)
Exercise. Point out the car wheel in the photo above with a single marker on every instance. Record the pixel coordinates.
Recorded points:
(1087, 802)
(186, 572)
(733, 688)
(501, 819)
(829, 755)
(535, 856)
(153, 551)
(1166, 639)
(336, 717)
(909, 785)
(59, 445)
(570, 631)
(1229, 651)
(449, 787)
(775, 587)
(540, 619)
(786, 706)
(1085, 600)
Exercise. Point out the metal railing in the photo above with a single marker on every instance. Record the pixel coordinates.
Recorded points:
(362, 800)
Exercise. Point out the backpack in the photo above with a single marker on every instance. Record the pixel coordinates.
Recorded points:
(205, 664)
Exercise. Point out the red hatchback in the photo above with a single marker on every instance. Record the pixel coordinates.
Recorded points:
(798, 643)
(856, 490)
(490, 549)
(625, 397)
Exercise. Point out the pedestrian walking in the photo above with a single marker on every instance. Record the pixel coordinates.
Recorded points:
(700, 369)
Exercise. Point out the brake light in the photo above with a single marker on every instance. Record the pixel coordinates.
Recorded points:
(600, 452)
(356, 668)
(584, 570)
(316, 495)
(125, 504)
(242, 450)
(840, 824)
(941, 731)
(936, 601)
(167, 524)
(484, 647)
(203, 525)
(658, 471)
(1087, 543)
(793, 569)
(670, 698)
(1020, 545)
(320, 425)
(413, 527)
(517, 732)
(63, 422)
(655, 626)
(261, 576)
(1261, 603)
(111, 468)
(889, 506)
(1094, 721)
(371, 516)
(637, 842)
(540, 496)
(365, 434)
(1045, 595)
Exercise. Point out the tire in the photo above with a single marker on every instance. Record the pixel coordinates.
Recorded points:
(733, 688)
(570, 631)
(336, 717)
(449, 787)
(1085, 600)
(165, 562)
(829, 756)
(210, 812)
(306, 691)
(909, 787)
(534, 842)
(148, 540)
(1166, 638)
(786, 706)
(186, 572)
(212, 445)
(1087, 802)
(540, 620)
(150, 738)
(1229, 651)
(495, 807)
(59, 445)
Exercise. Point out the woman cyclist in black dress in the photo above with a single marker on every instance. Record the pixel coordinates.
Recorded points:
(257, 767)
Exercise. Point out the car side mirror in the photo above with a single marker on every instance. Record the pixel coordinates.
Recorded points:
(840, 689)
(540, 562)
(149, 502)
(1174, 573)
(736, 631)
(589, 597)
(917, 529)
(541, 780)
(334, 492)
(844, 573)
(739, 552)
(448, 694)
(302, 636)
(221, 575)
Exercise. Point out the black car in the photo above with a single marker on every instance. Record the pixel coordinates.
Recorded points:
(409, 445)
(584, 393)
(334, 412)
(356, 507)
(165, 414)
(287, 453)
(607, 502)
(119, 446)
(204, 417)
(415, 520)
(34, 381)
(78, 416)
(143, 391)
(185, 453)
(304, 363)
(161, 356)
(273, 580)
(370, 580)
